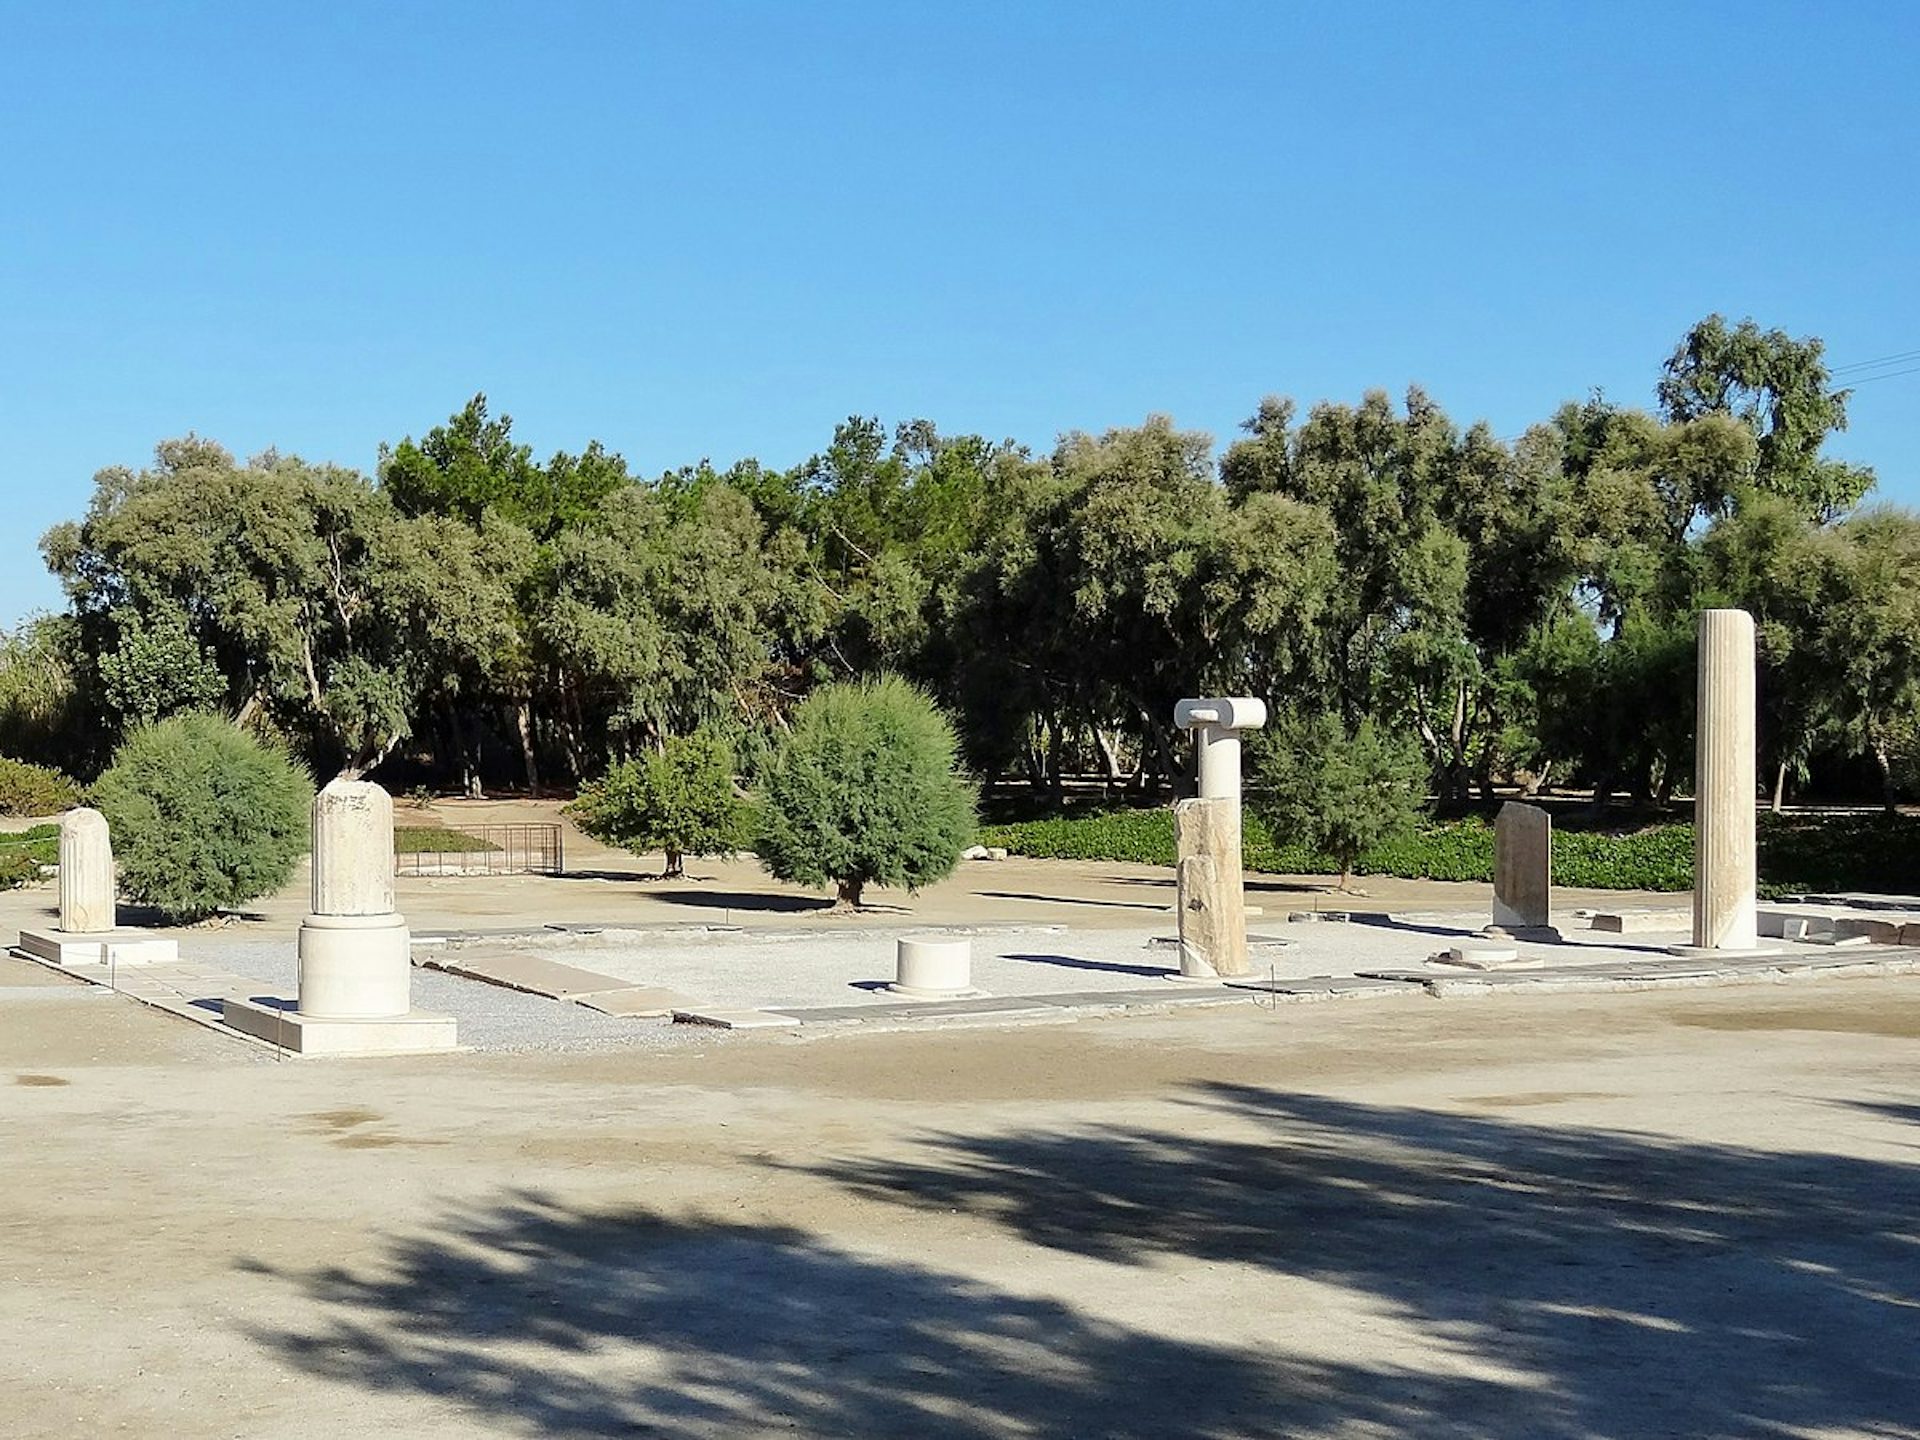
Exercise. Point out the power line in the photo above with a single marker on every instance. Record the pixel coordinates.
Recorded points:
(1875, 364)
(1888, 375)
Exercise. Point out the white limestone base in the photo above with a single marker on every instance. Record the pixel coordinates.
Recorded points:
(353, 965)
(933, 968)
(98, 950)
(408, 1034)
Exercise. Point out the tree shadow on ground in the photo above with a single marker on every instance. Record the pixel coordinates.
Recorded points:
(1651, 1286)
(1111, 967)
(544, 1320)
(1556, 1281)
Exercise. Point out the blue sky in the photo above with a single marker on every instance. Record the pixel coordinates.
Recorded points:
(717, 229)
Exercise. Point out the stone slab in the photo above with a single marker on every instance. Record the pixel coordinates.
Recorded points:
(416, 1032)
(1877, 930)
(1855, 900)
(1487, 957)
(638, 1003)
(736, 1019)
(82, 951)
(532, 974)
(1640, 922)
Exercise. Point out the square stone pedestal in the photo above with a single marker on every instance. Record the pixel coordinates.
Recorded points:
(408, 1034)
(98, 950)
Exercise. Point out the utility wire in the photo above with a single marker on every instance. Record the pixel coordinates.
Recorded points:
(1875, 364)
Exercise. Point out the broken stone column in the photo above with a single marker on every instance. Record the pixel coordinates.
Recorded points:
(355, 953)
(1209, 884)
(87, 885)
(1212, 901)
(87, 937)
(1523, 872)
(1725, 870)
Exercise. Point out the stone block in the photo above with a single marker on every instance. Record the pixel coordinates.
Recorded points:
(101, 951)
(1638, 922)
(415, 1032)
(1785, 925)
(1876, 929)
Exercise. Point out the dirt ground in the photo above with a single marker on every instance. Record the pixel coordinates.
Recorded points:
(1624, 1215)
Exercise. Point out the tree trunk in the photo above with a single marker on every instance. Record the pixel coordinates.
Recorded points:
(1779, 786)
(676, 866)
(850, 893)
(523, 727)
(1889, 798)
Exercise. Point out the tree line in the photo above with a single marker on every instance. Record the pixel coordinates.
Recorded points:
(1517, 609)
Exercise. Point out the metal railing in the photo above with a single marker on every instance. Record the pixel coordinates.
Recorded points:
(487, 850)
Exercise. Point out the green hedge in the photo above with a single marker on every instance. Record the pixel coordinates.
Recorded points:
(1796, 854)
(436, 840)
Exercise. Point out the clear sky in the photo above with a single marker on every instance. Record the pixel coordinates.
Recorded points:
(717, 229)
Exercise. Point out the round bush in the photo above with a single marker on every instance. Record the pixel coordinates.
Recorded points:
(203, 816)
(34, 789)
(678, 800)
(865, 791)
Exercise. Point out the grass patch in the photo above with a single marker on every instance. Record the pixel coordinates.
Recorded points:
(1871, 853)
(436, 840)
(23, 852)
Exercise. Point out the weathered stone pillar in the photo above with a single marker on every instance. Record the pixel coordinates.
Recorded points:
(1212, 898)
(1209, 884)
(1522, 870)
(87, 885)
(355, 956)
(1725, 871)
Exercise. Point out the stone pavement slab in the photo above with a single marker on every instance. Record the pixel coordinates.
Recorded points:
(641, 1002)
(532, 973)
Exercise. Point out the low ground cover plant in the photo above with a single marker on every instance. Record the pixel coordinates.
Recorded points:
(437, 840)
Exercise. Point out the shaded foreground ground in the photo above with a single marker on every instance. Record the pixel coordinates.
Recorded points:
(1625, 1215)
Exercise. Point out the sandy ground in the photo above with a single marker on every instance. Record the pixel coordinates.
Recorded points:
(1624, 1215)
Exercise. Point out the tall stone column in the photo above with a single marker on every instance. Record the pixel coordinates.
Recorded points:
(1209, 884)
(1725, 870)
(355, 952)
(87, 885)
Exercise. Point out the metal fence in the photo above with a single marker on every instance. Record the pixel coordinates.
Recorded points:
(485, 850)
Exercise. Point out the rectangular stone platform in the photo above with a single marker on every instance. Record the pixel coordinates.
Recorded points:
(409, 1034)
(99, 950)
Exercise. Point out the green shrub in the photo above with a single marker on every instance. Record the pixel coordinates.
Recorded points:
(34, 789)
(865, 790)
(204, 817)
(1344, 792)
(22, 854)
(678, 800)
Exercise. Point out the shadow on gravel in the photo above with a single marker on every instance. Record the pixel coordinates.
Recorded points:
(1569, 1282)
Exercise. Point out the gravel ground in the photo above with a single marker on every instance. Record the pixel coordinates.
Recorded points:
(491, 1018)
(845, 967)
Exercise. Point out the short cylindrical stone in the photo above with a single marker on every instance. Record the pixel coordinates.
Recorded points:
(352, 849)
(86, 873)
(1725, 872)
(933, 965)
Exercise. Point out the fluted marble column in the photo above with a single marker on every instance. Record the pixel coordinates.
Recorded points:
(1725, 871)
(355, 956)
(87, 883)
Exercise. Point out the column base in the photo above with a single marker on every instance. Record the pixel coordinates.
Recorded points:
(1737, 952)
(99, 950)
(413, 1033)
